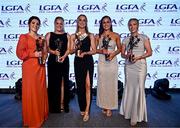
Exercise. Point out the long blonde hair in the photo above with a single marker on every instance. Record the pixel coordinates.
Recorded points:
(86, 27)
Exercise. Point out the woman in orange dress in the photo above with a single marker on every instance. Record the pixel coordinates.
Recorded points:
(34, 91)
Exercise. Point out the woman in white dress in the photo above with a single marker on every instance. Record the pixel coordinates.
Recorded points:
(109, 46)
(135, 49)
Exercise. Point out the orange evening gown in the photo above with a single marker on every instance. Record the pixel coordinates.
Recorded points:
(34, 91)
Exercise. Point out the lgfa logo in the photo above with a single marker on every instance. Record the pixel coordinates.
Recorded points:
(5, 51)
(15, 9)
(175, 22)
(53, 8)
(92, 8)
(23, 23)
(161, 63)
(70, 22)
(150, 76)
(13, 63)
(6, 76)
(130, 7)
(173, 76)
(115, 22)
(174, 50)
(166, 8)
(164, 36)
(11, 37)
(6, 23)
(150, 22)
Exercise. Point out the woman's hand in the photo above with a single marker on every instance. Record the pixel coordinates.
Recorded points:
(38, 53)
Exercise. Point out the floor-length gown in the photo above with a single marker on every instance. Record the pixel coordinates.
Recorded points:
(56, 72)
(81, 67)
(133, 104)
(34, 91)
(107, 83)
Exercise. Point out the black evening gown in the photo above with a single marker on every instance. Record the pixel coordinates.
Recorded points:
(57, 71)
(81, 67)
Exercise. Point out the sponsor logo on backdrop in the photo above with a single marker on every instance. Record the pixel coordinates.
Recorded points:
(165, 63)
(15, 9)
(45, 23)
(165, 36)
(152, 76)
(173, 76)
(130, 8)
(6, 76)
(5, 23)
(175, 22)
(121, 63)
(120, 75)
(23, 23)
(174, 50)
(94, 8)
(124, 35)
(13, 63)
(70, 22)
(53, 8)
(150, 22)
(166, 7)
(157, 49)
(6, 51)
(11, 37)
(115, 22)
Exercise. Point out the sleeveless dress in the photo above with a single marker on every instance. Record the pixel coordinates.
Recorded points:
(34, 91)
(57, 71)
(107, 82)
(133, 104)
(81, 67)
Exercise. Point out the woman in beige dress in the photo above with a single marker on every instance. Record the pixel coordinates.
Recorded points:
(109, 46)
(135, 49)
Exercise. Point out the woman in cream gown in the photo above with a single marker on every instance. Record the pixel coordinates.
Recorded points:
(135, 49)
(107, 83)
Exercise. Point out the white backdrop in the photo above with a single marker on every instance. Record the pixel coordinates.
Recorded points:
(159, 19)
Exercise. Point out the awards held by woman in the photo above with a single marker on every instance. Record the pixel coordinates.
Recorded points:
(79, 38)
(132, 43)
(105, 45)
(40, 42)
(58, 44)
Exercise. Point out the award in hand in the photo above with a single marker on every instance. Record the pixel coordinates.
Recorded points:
(58, 44)
(78, 45)
(132, 43)
(105, 45)
(39, 47)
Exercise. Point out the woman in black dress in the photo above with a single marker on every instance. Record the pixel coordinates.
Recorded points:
(58, 67)
(83, 45)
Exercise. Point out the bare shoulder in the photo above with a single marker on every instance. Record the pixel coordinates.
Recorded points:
(116, 35)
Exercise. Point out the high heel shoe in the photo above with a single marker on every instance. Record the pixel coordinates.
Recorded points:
(133, 123)
(86, 116)
(62, 107)
(82, 113)
(108, 113)
(104, 111)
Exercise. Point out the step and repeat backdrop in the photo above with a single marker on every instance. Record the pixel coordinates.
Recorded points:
(159, 19)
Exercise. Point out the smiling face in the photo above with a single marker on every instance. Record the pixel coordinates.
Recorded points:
(133, 26)
(106, 23)
(59, 25)
(34, 25)
(82, 22)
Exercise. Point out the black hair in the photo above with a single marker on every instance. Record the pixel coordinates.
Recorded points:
(32, 18)
(101, 29)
